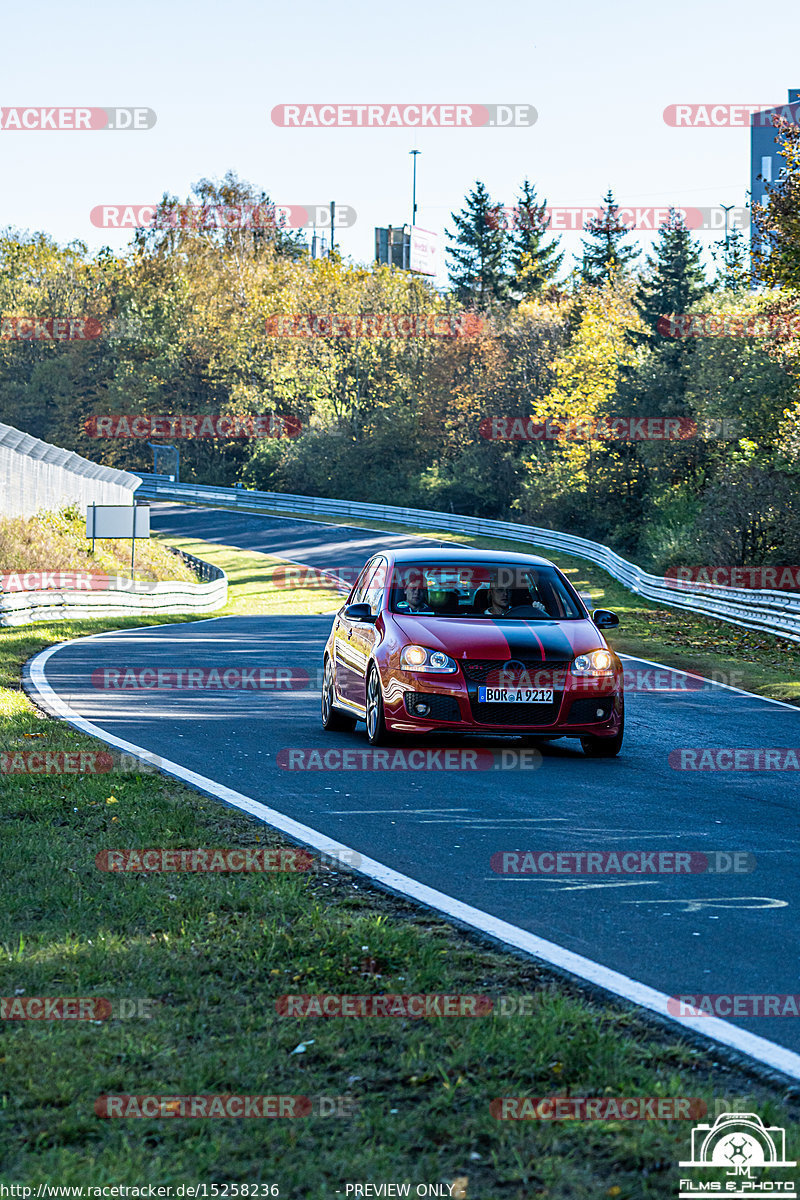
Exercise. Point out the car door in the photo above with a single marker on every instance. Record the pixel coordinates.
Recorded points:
(347, 653)
(365, 633)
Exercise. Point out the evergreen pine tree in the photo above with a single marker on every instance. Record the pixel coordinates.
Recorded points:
(673, 278)
(605, 253)
(534, 264)
(732, 260)
(656, 386)
(478, 251)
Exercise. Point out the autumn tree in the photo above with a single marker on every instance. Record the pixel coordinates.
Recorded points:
(776, 245)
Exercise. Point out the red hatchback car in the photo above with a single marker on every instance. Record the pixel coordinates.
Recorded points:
(472, 641)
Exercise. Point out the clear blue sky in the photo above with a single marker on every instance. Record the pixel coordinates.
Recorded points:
(600, 76)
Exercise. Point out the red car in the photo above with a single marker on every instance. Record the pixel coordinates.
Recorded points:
(472, 641)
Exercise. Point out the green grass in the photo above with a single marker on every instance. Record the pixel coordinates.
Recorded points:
(252, 587)
(212, 953)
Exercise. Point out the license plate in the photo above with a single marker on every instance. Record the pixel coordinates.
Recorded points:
(512, 695)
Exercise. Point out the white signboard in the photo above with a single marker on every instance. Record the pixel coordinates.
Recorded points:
(423, 251)
(118, 521)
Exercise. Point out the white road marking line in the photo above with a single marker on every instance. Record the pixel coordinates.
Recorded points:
(714, 1028)
(491, 821)
(716, 902)
(403, 811)
(577, 887)
(728, 686)
(597, 834)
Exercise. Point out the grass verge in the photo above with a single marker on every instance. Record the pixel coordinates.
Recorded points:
(56, 542)
(210, 954)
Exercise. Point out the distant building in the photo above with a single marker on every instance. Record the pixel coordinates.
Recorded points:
(408, 247)
(318, 247)
(393, 246)
(766, 161)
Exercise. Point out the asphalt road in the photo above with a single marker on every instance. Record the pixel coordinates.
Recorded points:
(681, 934)
(326, 547)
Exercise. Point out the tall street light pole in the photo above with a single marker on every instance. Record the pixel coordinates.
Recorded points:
(726, 208)
(414, 188)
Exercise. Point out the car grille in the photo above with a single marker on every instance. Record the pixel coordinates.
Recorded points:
(516, 714)
(442, 708)
(552, 674)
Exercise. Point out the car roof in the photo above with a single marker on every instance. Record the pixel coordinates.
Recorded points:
(415, 554)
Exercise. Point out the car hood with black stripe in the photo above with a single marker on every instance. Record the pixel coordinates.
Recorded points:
(500, 638)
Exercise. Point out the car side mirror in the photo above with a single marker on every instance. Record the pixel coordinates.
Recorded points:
(604, 619)
(360, 612)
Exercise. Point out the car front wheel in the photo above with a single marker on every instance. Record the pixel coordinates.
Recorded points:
(377, 733)
(596, 747)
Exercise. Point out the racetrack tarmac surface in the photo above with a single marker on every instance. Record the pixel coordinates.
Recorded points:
(681, 934)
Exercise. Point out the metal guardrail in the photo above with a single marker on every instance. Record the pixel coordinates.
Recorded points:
(202, 569)
(768, 611)
(122, 597)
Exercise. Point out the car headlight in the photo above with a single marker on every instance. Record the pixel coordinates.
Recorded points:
(596, 662)
(418, 658)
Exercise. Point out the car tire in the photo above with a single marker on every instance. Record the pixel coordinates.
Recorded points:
(333, 719)
(596, 747)
(377, 733)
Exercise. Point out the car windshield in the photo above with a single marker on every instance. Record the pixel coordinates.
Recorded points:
(510, 591)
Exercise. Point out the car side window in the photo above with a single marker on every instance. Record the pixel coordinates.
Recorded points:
(375, 587)
(362, 582)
